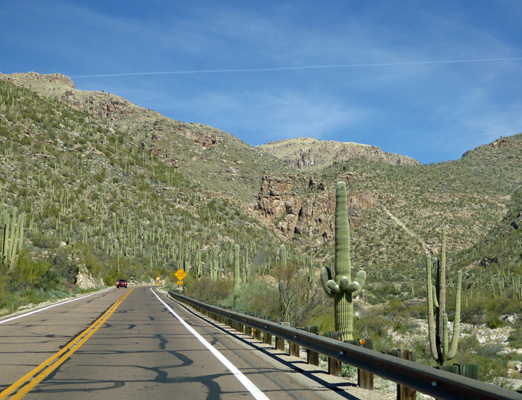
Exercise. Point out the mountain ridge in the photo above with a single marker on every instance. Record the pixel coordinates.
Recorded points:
(314, 154)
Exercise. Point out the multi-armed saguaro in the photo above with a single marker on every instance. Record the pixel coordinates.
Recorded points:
(341, 287)
(441, 350)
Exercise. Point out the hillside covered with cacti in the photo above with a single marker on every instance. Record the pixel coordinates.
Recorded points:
(94, 185)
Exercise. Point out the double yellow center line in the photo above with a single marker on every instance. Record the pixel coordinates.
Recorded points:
(33, 378)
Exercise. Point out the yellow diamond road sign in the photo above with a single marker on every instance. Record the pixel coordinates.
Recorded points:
(180, 274)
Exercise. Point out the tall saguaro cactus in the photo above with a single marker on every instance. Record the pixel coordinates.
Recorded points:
(237, 271)
(441, 350)
(341, 287)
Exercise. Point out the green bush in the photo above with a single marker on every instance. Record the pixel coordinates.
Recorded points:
(258, 297)
(45, 241)
(493, 321)
(207, 290)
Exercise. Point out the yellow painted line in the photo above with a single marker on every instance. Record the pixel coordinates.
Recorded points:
(38, 374)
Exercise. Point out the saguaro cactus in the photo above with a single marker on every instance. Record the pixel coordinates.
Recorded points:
(13, 238)
(237, 271)
(282, 255)
(441, 350)
(341, 287)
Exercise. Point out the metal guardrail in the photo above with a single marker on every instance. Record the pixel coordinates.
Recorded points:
(431, 381)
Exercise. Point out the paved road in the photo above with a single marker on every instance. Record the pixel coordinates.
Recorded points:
(142, 346)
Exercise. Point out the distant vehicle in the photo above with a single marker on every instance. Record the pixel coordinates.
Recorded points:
(121, 283)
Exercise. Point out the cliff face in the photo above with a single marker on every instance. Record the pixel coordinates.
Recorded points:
(313, 154)
(311, 216)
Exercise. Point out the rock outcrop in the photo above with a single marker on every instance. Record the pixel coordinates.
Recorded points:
(309, 153)
(311, 216)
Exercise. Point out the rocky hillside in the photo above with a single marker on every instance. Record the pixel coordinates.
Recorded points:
(312, 154)
(215, 159)
(397, 206)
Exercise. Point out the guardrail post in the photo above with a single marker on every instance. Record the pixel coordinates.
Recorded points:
(365, 378)
(240, 327)
(280, 342)
(334, 365)
(469, 370)
(248, 329)
(312, 357)
(404, 392)
(294, 347)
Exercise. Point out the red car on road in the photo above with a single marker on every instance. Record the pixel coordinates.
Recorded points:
(121, 283)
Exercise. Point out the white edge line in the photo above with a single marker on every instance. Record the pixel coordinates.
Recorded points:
(247, 383)
(51, 306)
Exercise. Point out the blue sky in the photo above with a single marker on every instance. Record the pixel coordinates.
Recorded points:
(426, 79)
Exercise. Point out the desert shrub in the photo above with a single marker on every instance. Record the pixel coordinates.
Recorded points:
(258, 297)
(493, 321)
(45, 241)
(324, 320)
(296, 298)
(65, 263)
(489, 350)
(394, 307)
(372, 326)
(207, 290)
(468, 343)
(28, 272)
(515, 339)
(111, 276)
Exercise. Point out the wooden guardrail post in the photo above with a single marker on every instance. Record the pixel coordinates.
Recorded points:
(404, 392)
(267, 338)
(334, 365)
(280, 342)
(365, 378)
(312, 357)
(240, 327)
(248, 329)
(467, 370)
(294, 347)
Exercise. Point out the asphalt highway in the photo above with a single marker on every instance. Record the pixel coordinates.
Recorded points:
(136, 343)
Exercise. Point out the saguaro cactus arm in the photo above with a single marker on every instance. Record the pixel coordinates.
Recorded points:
(357, 285)
(456, 326)
(431, 315)
(329, 285)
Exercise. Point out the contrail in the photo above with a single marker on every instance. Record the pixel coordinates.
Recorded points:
(296, 68)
